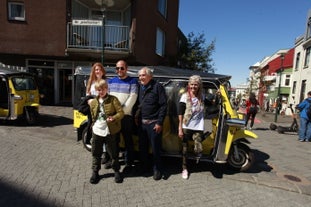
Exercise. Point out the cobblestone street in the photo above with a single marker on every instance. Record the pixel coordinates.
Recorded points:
(44, 165)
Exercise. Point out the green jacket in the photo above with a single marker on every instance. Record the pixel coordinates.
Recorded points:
(113, 108)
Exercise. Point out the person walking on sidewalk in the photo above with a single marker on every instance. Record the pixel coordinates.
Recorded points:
(107, 113)
(305, 122)
(251, 110)
(125, 89)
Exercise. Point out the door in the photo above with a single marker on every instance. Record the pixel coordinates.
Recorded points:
(4, 98)
(65, 85)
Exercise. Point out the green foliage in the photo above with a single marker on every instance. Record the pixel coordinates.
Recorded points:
(197, 55)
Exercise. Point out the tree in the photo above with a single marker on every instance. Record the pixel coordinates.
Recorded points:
(197, 54)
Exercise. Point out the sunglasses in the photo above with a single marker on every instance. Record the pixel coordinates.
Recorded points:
(120, 68)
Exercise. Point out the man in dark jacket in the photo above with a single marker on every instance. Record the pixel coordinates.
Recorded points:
(150, 117)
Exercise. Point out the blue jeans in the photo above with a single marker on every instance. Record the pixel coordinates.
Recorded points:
(305, 129)
(148, 136)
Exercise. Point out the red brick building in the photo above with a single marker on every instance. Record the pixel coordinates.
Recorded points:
(51, 38)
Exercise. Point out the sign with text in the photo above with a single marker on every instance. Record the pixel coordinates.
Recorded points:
(87, 22)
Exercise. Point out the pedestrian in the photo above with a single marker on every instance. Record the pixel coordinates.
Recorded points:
(305, 122)
(97, 73)
(125, 89)
(191, 119)
(107, 113)
(251, 110)
(149, 117)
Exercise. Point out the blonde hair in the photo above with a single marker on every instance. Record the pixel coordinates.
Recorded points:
(196, 78)
(101, 84)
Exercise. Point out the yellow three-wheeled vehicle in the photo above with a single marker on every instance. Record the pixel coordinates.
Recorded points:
(226, 140)
(19, 96)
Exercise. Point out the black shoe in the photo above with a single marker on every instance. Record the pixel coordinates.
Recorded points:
(108, 165)
(127, 169)
(157, 175)
(95, 178)
(117, 177)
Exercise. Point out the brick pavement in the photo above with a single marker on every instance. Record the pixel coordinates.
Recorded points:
(49, 168)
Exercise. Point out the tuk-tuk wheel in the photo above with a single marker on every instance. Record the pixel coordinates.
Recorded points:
(31, 116)
(241, 160)
(87, 139)
(273, 126)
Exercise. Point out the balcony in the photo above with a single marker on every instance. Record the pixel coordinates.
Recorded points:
(86, 39)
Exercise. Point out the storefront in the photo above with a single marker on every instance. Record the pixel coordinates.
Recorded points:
(54, 80)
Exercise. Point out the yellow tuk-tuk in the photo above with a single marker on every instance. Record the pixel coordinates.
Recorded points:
(225, 138)
(19, 96)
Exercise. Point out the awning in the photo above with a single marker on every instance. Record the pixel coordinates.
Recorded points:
(269, 78)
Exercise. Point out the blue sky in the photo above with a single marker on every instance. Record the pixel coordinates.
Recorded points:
(245, 31)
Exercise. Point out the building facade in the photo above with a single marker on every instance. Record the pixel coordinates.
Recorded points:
(51, 38)
(301, 83)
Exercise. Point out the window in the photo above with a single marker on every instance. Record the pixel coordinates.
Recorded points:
(287, 80)
(162, 7)
(294, 87)
(308, 34)
(16, 11)
(307, 58)
(297, 61)
(160, 44)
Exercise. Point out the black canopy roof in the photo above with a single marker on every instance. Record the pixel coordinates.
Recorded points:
(162, 72)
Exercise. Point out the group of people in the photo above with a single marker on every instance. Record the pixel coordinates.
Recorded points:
(122, 101)
(304, 133)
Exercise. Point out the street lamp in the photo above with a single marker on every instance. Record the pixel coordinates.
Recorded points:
(103, 32)
(104, 4)
(279, 88)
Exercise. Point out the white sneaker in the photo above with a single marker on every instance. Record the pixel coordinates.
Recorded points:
(184, 174)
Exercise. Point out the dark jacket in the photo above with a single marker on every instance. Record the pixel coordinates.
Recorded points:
(152, 102)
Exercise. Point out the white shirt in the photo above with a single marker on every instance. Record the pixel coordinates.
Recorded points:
(100, 126)
(196, 121)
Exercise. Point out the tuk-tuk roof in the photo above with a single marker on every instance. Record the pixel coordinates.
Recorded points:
(7, 72)
(161, 72)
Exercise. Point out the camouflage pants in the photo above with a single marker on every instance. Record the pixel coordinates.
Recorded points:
(194, 135)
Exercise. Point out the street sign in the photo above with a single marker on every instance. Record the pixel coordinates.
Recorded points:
(87, 22)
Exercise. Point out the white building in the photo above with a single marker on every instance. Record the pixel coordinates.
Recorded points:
(301, 83)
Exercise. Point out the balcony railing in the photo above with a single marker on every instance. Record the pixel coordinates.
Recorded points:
(91, 37)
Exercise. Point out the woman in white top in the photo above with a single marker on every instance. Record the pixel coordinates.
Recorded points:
(191, 119)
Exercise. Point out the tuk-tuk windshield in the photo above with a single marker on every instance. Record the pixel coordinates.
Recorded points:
(24, 83)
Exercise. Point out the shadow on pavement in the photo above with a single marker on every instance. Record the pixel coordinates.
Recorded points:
(47, 120)
(172, 165)
(44, 120)
(12, 195)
